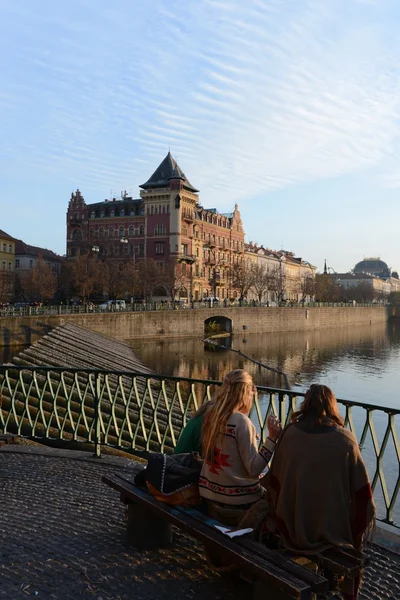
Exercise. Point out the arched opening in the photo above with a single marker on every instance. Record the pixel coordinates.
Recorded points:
(160, 294)
(217, 326)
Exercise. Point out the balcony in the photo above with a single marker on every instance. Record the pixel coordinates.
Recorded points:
(188, 258)
(187, 216)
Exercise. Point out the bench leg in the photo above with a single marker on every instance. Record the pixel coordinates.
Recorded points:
(146, 531)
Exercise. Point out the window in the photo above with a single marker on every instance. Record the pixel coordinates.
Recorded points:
(121, 231)
(9, 266)
(92, 214)
(122, 212)
(31, 264)
(167, 209)
(102, 213)
(142, 211)
(152, 210)
(160, 248)
(141, 230)
(141, 249)
(131, 230)
(4, 247)
(159, 229)
(9, 248)
(111, 231)
(17, 263)
(160, 264)
(76, 215)
(3, 266)
(185, 249)
(112, 212)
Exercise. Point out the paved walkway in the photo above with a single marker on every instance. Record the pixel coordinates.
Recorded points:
(62, 536)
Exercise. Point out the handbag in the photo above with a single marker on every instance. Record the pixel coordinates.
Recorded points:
(173, 478)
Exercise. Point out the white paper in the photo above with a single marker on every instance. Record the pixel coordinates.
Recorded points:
(233, 533)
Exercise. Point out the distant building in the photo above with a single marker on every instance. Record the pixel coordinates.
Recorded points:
(26, 257)
(374, 273)
(7, 257)
(289, 278)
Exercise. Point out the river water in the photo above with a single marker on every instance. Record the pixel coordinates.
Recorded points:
(360, 363)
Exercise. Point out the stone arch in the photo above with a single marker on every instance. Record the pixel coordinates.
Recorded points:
(160, 290)
(220, 323)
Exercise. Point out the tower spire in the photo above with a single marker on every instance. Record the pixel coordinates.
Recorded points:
(325, 269)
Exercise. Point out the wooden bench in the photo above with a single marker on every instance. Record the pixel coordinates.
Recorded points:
(278, 575)
(149, 525)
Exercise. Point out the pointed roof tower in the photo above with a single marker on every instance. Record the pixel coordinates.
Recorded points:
(167, 170)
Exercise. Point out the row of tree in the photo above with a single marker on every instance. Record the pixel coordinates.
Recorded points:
(88, 277)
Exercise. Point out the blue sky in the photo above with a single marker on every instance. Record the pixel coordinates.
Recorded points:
(290, 108)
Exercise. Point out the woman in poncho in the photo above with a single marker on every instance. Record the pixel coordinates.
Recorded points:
(318, 484)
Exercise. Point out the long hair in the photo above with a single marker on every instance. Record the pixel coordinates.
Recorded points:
(235, 395)
(319, 407)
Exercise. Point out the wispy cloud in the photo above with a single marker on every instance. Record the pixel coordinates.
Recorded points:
(251, 96)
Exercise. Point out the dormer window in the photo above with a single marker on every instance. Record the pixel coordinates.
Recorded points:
(112, 212)
(92, 214)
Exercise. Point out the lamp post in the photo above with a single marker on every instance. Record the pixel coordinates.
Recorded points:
(96, 250)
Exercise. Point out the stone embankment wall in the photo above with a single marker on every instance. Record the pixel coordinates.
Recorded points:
(189, 323)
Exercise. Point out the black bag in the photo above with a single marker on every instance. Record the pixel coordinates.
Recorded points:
(172, 478)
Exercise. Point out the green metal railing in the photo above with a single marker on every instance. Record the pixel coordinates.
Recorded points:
(140, 413)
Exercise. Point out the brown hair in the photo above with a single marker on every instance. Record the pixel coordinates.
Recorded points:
(319, 407)
(235, 395)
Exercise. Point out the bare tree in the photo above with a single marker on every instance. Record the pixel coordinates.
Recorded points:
(86, 274)
(242, 279)
(174, 278)
(326, 289)
(6, 286)
(261, 280)
(39, 283)
(307, 287)
(150, 275)
(278, 283)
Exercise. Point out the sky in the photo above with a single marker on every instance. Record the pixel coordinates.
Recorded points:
(290, 108)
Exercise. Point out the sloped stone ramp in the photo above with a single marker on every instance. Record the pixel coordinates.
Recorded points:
(135, 412)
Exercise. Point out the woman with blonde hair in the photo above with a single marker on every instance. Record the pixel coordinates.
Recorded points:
(229, 479)
(318, 484)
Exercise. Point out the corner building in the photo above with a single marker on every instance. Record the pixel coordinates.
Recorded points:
(167, 224)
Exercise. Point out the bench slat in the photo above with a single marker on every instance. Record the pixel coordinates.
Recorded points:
(317, 582)
(258, 566)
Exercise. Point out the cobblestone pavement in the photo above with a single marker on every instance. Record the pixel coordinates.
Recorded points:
(62, 535)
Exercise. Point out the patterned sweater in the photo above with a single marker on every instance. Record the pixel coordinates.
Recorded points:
(233, 476)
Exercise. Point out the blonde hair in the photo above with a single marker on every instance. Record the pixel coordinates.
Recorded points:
(235, 395)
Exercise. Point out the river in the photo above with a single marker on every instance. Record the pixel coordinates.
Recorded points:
(360, 363)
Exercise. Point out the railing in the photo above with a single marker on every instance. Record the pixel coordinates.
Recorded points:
(63, 309)
(140, 413)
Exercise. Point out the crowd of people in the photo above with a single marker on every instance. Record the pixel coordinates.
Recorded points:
(316, 494)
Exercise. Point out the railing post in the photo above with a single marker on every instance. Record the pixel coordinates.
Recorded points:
(97, 424)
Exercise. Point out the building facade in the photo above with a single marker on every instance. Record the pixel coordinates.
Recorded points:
(167, 224)
(7, 261)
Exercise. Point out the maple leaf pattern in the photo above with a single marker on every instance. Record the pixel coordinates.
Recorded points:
(220, 461)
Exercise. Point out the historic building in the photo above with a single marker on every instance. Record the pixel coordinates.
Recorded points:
(168, 224)
(7, 258)
(373, 273)
(26, 258)
(287, 278)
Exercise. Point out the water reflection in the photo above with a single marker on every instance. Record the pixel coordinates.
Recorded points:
(359, 363)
